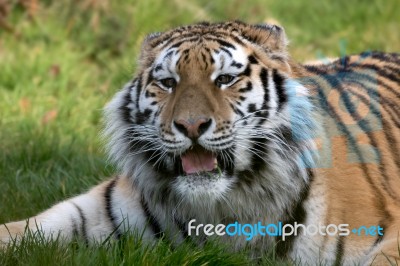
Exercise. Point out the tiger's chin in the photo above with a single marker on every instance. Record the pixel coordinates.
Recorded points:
(202, 186)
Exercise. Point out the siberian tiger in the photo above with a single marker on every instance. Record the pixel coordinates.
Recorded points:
(221, 126)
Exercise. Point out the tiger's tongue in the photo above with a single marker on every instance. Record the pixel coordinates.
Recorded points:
(198, 160)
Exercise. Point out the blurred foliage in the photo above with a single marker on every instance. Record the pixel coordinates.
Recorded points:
(105, 27)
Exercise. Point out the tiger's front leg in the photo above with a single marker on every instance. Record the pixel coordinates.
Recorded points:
(112, 207)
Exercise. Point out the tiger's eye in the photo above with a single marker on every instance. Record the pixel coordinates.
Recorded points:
(224, 79)
(168, 82)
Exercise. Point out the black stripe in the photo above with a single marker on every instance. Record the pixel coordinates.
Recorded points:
(251, 108)
(222, 63)
(185, 59)
(236, 110)
(248, 87)
(125, 110)
(75, 232)
(204, 57)
(157, 68)
(152, 220)
(186, 41)
(239, 41)
(223, 43)
(259, 151)
(212, 60)
(379, 237)
(227, 162)
(168, 55)
(226, 51)
(83, 223)
(280, 90)
(236, 64)
(142, 117)
(174, 36)
(265, 105)
(246, 72)
(218, 139)
(222, 144)
(150, 78)
(296, 214)
(339, 251)
(252, 59)
(264, 81)
(109, 207)
(138, 91)
(182, 226)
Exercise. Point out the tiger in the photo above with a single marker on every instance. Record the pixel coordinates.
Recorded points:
(221, 126)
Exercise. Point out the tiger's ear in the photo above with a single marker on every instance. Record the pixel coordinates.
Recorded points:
(277, 39)
(271, 41)
(151, 37)
(270, 37)
(146, 52)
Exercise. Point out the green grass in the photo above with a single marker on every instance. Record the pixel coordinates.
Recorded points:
(127, 251)
(61, 68)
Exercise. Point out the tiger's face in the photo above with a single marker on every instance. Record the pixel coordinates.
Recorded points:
(197, 89)
(205, 107)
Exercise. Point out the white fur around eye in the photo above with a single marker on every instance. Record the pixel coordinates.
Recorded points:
(224, 62)
(165, 65)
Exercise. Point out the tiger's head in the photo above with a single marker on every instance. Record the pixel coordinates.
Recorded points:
(212, 108)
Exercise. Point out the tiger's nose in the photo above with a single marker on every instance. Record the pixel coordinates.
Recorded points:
(193, 128)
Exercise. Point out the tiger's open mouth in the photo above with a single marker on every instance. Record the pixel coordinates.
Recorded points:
(197, 159)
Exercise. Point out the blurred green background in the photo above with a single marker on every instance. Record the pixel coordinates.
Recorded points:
(61, 61)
